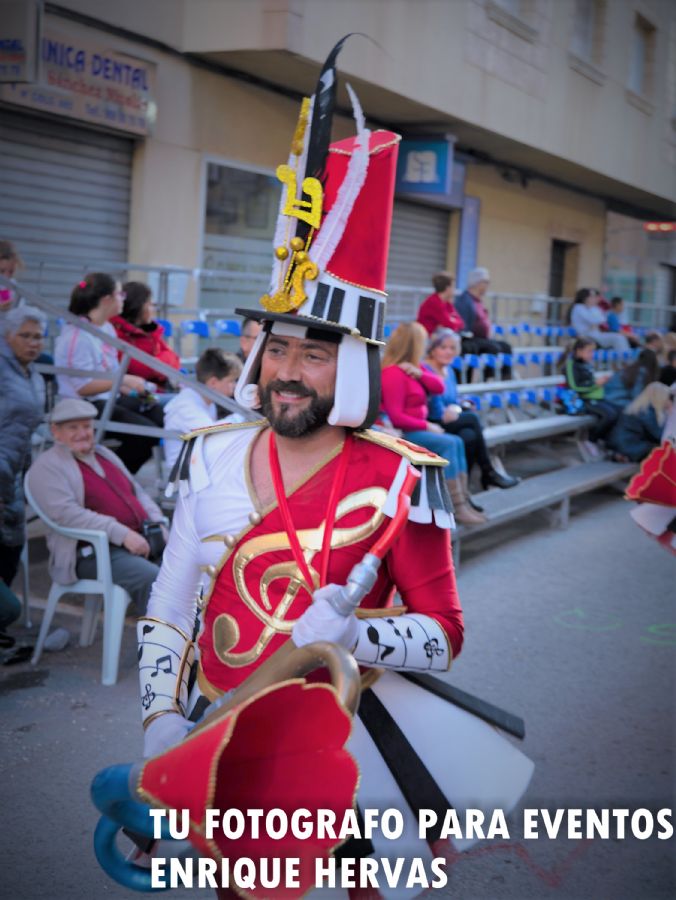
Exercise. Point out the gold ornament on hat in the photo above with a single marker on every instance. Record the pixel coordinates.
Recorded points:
(292, 294)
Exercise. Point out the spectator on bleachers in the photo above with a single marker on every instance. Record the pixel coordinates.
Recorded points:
(476, 321)
(655, 341)
(96, 299)
(626, 384)
(21, 411)
(10, 263)
(668, 371)
(447, 410)
(215, 369)
(639, 428)
(437, 310)
(250, 331)
(587, 318)
(79, 484)
(406, 388)
(616, 322)
(136, 325)
(580, 377)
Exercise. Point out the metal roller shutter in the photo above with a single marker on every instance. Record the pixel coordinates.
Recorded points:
(418, 249)
(64, 199)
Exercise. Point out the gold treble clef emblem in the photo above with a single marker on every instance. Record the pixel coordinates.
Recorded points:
(225, 630)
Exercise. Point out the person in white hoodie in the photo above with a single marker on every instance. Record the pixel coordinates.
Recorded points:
(189, 410)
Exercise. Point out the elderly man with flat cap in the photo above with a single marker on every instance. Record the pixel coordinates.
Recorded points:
(80, 484)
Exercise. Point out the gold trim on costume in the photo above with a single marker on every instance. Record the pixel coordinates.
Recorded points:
(372, 151)
(274, 620)
(168, 624)
(416, 455)
(384, 613)
(223, 426)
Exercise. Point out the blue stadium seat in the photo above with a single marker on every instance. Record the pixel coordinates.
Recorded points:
(530, 395)
(457, 364)
(472, 361)
(513, 398)
(388, 329)
(489, 359)
(476, 400)
(498, 329)
(167, 326)
(495, 401)
(524, 327)
(571, 332)
(505, 359)
(514, 329)
(535, 358)
(195, 326)
(521, 359)
(228, 326)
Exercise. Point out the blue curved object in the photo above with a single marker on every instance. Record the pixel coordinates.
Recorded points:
(111, 795)
(112, 861)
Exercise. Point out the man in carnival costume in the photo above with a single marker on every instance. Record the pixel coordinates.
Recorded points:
(277, 511)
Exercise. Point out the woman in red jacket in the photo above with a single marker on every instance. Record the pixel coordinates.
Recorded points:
(136, 325)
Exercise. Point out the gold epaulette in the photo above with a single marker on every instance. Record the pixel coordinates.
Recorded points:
(416, 455)
(223, 426)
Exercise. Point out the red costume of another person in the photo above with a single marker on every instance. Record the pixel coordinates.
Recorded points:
(437, 310)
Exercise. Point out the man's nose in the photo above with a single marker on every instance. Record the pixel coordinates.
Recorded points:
(290, 367)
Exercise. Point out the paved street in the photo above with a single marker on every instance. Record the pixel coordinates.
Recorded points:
(573, 630)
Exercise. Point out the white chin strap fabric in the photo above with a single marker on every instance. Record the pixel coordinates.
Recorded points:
(351, 402)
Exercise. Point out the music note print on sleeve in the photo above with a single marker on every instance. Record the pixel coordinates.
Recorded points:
(164, 665)
(374, 637)
(147, 698)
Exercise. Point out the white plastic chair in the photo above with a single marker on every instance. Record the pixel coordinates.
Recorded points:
(115, 599)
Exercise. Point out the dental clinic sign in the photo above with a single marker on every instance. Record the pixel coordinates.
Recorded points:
(91, 83)
(426, 170)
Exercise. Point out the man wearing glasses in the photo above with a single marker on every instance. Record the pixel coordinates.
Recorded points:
(21, 410)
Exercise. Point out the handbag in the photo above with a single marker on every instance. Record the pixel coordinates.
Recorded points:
(655, 481)
(152, 532)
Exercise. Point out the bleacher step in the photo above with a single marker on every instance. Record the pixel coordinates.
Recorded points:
(542, 491)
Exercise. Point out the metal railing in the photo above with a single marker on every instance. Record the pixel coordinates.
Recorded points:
(182, 293)
(127, 352)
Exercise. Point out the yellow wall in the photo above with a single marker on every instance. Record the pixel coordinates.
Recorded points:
(517, 226)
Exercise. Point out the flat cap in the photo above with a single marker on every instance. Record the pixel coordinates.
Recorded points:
(71, 408)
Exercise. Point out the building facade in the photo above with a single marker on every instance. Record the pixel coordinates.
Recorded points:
(539, 138)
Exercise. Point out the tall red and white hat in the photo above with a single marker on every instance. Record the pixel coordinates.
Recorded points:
(331, 247)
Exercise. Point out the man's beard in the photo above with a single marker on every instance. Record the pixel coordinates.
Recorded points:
(302, 422)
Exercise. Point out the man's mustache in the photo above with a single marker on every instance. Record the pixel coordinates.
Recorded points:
(290, 387)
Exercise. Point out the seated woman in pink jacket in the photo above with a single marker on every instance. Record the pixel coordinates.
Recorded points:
(405, 390)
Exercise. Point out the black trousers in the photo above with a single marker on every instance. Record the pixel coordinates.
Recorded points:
(485, 345)
(468, 428)
(9, 562)
(605, 415)
(134, 449)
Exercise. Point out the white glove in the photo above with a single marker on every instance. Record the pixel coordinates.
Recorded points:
(164, 732)
(321, 622)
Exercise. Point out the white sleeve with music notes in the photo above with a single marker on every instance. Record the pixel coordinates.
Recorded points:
(411, 642)
(165, 655)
